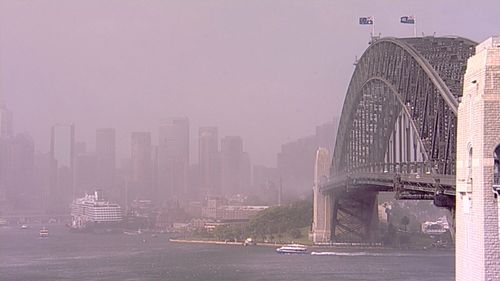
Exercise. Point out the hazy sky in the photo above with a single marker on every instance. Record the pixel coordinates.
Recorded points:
(269, 71)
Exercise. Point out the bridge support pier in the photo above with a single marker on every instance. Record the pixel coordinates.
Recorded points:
(322, 220)
(478, 138)
(322, 203)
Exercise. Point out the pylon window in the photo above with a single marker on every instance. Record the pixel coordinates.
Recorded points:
(469, 166)
(496, 168)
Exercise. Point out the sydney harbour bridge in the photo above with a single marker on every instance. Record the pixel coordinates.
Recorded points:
(397, 133)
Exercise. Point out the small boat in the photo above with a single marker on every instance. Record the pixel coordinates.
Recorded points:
(44, 232)
(292, 249)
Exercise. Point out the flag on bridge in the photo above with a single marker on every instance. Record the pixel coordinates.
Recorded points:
(366, 20)
(408, 19)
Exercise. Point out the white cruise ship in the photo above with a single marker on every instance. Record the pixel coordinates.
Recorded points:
(93, 213)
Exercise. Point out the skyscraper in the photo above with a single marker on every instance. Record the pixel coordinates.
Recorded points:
(235, 178)
(209, 161)
(296, 159)
(140, 184)
(105, 158)
(5, 118)
(5, 149)
(5, 122)
(23, 191)
(173, 159)
(85, 170)
(62, 147)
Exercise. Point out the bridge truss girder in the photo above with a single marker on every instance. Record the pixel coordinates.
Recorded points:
(355, 217)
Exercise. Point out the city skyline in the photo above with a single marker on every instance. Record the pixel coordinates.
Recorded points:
(129, 66)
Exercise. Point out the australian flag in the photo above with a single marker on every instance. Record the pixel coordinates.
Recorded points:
(366, 20)
(408, 19)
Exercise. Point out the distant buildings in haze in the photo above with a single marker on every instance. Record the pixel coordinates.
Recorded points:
(235, 166)
(209, 161)
(140, 184)
(62, 152)
(105, 153)
(296, 159)
(173, 159)
(160, 173)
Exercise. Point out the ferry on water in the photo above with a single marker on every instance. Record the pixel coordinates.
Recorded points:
(93, 213)
(292, 249)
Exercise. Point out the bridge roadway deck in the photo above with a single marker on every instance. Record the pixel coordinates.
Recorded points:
(408, 184)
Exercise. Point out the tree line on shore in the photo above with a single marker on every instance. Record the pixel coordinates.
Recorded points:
(277, 223)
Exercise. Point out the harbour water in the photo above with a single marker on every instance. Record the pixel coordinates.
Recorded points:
(73, 256)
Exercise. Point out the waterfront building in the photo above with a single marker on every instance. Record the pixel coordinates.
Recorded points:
(218, 209)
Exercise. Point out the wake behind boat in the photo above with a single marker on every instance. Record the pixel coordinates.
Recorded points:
(292, 249)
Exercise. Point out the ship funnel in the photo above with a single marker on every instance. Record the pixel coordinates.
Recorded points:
(98, 195)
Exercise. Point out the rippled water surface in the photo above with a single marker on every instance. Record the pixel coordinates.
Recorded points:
(70, 256)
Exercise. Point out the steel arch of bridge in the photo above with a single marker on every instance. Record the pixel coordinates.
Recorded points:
(397, 131)
(420, 77)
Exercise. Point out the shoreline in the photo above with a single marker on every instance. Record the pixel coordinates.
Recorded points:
(312, 247)
(216, 242)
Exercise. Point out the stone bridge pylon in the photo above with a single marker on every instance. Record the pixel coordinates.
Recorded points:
(478, 168)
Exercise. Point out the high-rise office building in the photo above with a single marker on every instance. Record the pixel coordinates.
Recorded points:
(296, 159)
(23, 191)
(5, 122)
(235, 166)
(85, 173)
(6, 125)
(266, 184)
(5, 170)
(62, 151)
(140, 184)
(209, 161)
(245, 174)
(6, 133)
(105, 159)
(173, 159)
(43, 178)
